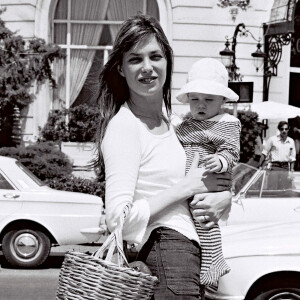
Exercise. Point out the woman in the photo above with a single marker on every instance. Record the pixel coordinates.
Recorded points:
(145, 163)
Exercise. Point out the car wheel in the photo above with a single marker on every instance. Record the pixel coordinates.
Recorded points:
(280, 294)
(25, 248)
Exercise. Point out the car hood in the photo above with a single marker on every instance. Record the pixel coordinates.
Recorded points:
(261, 239)
(52, 195)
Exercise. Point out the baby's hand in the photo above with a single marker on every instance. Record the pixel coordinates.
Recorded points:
(212, 163)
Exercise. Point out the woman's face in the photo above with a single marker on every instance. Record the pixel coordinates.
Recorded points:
(144, 67)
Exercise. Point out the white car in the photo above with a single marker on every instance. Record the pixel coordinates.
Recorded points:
(34, 217)
(264, 262)
(261, 239)
(264, 196)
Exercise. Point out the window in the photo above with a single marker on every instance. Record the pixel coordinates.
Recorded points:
(254, 190)
(242, 173)
(30, 174)
(273, 184)
(86, 30)
(4, 184)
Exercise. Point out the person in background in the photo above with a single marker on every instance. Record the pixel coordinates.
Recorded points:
(145, 163)
(206, 91)
(281, 149)
(282, 155)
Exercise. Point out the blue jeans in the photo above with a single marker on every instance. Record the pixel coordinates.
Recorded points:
(176, 261)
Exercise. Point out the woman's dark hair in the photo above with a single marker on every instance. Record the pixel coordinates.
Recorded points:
(282, 123)
(114, 91)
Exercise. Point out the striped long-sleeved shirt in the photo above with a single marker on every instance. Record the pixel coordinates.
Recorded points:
(220, 134)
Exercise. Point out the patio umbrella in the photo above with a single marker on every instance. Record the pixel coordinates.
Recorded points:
(275, 110)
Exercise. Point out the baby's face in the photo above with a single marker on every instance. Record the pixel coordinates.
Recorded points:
(205, 106)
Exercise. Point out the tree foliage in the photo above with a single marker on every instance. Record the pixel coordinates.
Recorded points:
(249, 133)
(44, 159)
(82, 126)
(23, 63)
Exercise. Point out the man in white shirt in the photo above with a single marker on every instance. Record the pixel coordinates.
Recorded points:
(281, 149)
(282, 152)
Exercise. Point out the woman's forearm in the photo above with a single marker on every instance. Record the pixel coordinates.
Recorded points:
(175, 194)
(192, 184)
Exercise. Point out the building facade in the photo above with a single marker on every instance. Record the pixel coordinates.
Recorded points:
(86, 30)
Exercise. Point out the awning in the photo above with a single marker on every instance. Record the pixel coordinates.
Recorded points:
(275, 110)
(282, 17)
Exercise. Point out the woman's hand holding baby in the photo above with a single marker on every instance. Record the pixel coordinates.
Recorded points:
(193, 180)
(208, 208)
(199, 180)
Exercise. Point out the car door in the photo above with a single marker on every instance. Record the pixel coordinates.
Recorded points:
(268, 197)
(9, 197)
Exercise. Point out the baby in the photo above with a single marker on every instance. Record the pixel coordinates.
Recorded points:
(216, 137)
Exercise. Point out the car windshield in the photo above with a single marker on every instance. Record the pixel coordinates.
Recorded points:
(30, 174)
(275, 184)
(265, 184)
(241, 175)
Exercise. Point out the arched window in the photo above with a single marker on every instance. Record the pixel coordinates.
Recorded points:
(86, 30)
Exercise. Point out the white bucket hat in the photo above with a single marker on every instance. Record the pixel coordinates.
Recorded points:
(207, 76)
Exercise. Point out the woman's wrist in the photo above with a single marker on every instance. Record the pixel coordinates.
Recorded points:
(226, 202)
(185, 190)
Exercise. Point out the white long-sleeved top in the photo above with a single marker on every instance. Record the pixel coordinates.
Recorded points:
(138, 166)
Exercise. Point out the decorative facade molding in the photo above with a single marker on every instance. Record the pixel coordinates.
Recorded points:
(234, 6)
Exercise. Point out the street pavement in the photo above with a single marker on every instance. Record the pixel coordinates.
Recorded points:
(28, 284)
(40, 283)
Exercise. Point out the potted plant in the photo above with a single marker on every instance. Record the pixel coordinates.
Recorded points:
(76, 139)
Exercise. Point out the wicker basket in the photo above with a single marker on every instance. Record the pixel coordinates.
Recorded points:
(85, 276)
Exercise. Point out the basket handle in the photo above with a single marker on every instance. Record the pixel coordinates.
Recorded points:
(115, 242)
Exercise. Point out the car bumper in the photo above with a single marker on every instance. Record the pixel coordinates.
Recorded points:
(212, 296)
(93, 234)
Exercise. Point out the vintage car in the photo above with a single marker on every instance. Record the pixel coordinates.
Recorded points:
(261, 240)
(264, 196)
(34, 217)
(264, 262)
